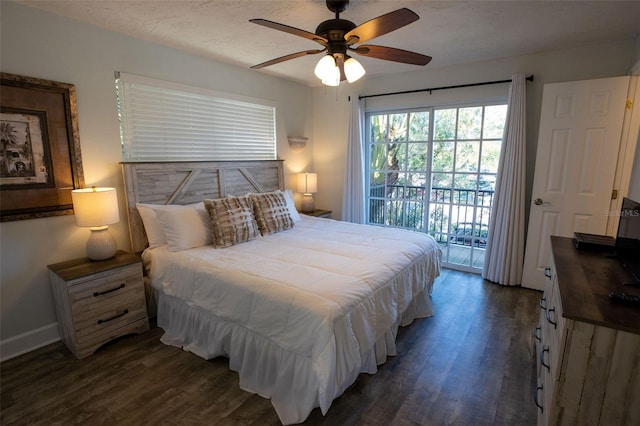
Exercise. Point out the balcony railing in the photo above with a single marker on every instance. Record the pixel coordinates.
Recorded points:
(404, 207)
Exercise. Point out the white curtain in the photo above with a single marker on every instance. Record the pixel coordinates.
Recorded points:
(504, 257)
(353, 201)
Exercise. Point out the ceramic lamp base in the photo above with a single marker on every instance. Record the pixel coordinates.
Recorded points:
(307, 204)
(101, 244)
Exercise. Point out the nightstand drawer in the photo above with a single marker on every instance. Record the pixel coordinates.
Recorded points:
(109, 317)
(106, 289)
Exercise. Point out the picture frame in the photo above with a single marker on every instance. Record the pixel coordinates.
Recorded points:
(40, 159)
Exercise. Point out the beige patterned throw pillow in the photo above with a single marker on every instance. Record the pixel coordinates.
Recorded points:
(271, 212)
(232, 220)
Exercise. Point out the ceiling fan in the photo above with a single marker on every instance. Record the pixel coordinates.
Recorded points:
(338, 38)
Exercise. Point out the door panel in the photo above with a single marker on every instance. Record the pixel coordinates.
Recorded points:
(578, 143)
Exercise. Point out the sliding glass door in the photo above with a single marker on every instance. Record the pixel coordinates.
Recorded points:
(434, 170)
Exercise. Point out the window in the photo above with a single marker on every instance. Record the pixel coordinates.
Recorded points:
(434, 170)
(163, 121)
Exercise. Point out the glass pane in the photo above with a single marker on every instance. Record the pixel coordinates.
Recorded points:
(417, 180)
(377, 157)
(419, 126)
(469, 123)
(417, 156)
(490, 156)
(439, 220)
(482, 217)
(376, 184)
(394, 213)
(395, 184)
(399, 159)
(487, 182)
(376, 211)
(465, 181)
(441, 180)
(398, 127)
(414, 215)
(441, 187)
(467, 156)
(443, 156)
(378, 125)
(444, 124)
(494, 118)
(461, 220)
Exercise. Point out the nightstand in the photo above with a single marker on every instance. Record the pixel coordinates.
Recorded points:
(97, 301)
(319, 213)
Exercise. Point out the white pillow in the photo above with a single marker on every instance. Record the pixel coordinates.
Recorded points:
(291, 204)
(152, 227)
(185, 227)
(155, 229)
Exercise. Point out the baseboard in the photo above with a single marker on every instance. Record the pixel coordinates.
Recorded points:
(29, 341)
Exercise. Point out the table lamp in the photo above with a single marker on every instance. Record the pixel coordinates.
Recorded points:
(97, 208)
(307, 184)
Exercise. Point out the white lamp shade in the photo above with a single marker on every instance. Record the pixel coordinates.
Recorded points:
(353, 70)
(308, 183)
(95, 206)
(327, 71)
(325, 67)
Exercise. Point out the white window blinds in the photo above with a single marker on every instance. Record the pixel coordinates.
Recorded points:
(164, 121)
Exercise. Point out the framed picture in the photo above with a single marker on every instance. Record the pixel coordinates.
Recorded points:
(40, 161)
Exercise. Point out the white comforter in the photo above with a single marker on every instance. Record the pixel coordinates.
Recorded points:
(300, 313)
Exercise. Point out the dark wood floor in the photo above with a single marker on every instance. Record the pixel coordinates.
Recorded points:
(470, 364)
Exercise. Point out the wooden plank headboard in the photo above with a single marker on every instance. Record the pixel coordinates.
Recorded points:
(192, 182)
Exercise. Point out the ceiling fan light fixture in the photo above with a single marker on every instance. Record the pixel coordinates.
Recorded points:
(353, 70)
(327, 71)
(325, 67)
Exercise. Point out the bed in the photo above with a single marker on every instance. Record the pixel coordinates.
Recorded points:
(300, 311)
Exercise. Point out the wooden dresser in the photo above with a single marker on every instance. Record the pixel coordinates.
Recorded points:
(587, 347)
(97, 301)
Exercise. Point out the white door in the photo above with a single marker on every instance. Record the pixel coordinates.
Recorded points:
(578, 142)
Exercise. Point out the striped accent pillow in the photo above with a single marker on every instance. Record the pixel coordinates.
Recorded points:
(232, 220)
(271, 212)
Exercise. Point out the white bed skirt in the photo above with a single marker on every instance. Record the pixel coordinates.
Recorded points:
(289, 379)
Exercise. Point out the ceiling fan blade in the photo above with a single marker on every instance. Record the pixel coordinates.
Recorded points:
(381, 25)
(287, 57)
(291, 30)
(392, 54)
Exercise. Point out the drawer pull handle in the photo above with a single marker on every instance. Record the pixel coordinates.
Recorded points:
(126, 311)
(542, 361)
(547, 272)
(536, 333)
(535, 399)
(555, 324)
(543, 303)
(100, 293)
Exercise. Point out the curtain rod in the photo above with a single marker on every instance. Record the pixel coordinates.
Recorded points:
(530, 78)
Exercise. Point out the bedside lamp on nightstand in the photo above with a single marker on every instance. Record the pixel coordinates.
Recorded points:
(97, 208)
(307, 184)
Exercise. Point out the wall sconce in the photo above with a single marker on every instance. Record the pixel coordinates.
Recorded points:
(297, 143)
(307, 184)
(97, 208)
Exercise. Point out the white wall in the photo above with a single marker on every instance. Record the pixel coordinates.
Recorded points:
(331, 108)
(43, 45)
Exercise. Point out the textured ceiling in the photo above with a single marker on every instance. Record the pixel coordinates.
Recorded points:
(452, 32)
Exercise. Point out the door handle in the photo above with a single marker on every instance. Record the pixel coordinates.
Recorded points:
(541, 202)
